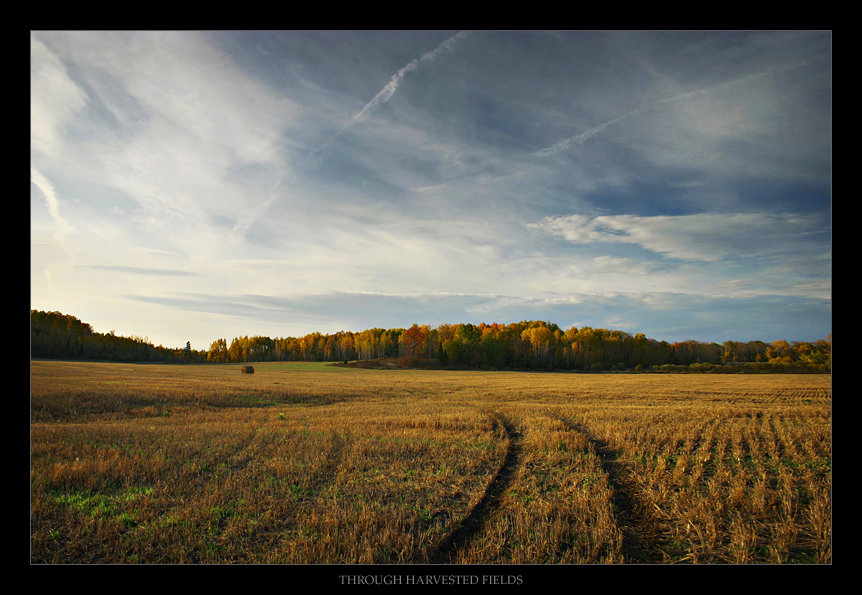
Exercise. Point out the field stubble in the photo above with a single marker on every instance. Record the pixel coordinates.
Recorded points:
(313, 464)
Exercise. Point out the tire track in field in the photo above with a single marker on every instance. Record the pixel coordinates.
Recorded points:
(472, 524)
(634, 517)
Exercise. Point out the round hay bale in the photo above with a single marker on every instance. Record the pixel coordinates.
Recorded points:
(248, 369)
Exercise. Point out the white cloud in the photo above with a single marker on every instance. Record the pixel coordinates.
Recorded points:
(197, 89)
(198, 118)
(55, 99)
(707, 237)
(821, 289)
(62, 228)
(47, 189)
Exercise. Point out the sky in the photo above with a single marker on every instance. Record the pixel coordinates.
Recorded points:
(191, 186)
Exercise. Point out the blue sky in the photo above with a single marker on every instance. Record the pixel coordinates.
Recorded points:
(190, 186)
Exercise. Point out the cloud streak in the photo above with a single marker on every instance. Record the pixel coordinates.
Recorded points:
(141, 271)
(55, 99)
(706, 237)
(63, 227)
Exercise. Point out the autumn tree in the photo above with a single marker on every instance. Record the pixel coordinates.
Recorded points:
(412, 341)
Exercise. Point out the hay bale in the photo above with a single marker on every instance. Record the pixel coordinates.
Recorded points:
(248, 369)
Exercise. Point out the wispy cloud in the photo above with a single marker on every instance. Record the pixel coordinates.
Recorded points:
(47, 189)
(141, 271)
(63, 228)
(55, 98)
(152, 250)
(706, 237)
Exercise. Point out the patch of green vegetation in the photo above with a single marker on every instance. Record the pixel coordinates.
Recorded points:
(443, 470)
(97, 506)
(819, 464)
(803, 558)
(109, 505)
(483, 445)
(591, 478)
(134, 493)
(297, 492)
(331, 492)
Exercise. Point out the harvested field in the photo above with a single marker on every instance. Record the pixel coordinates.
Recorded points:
(309, 463)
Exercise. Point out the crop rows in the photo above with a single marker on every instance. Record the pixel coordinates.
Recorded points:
(310, 464)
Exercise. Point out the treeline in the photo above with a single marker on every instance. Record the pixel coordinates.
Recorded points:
(534, 345)
(530, 345)
(60, 336)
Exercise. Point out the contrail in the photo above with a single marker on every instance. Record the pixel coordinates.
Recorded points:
(580, 138)
(388, 91)
(705, 92)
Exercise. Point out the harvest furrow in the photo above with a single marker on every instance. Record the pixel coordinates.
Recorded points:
(476, 518)
(632, 514)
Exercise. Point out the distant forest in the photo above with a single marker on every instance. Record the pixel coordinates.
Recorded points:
(527, 345)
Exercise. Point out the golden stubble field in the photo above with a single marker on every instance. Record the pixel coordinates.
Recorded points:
(309, 463)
